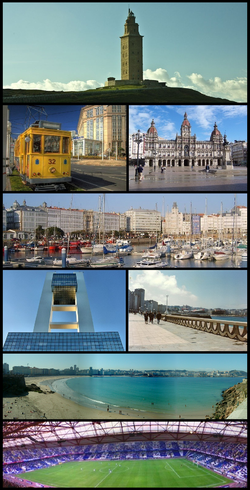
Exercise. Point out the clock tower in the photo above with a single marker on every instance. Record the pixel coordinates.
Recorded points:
(131, 50)
(186, 127)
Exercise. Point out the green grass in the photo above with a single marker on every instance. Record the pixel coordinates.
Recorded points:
(17, 184)
(121, 95)
(162, 473)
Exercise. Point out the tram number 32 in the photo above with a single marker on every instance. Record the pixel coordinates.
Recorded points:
(52, 161)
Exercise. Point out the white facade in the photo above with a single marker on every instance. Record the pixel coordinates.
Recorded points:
(239, 152)
(185, 150)
(143, 221)
(178, 223)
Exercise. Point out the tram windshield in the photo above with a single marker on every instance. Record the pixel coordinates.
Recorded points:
(51, 144)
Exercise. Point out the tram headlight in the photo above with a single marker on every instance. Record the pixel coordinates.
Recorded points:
(52, 170)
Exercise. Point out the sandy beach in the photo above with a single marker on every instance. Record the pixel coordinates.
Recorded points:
(53, 406)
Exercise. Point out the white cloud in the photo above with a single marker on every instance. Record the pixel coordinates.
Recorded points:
(235, 89)
(75, 86)
(157, 285)
(162, 75)
(140, 117)
(168, 130)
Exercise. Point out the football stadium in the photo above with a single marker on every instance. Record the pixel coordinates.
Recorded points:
(124, 454)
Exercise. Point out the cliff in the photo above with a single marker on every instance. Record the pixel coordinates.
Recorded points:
(232, 397)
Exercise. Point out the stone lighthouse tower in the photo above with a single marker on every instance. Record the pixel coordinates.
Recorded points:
(131, 50)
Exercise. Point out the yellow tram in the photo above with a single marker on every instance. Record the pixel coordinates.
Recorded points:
(43, 154)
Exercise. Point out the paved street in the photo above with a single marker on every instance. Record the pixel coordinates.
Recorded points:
(99, 176)
(179, 179)
(169, 337)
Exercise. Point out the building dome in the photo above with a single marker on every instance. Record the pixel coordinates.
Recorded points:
(186, 121)
(215, 132)
(152, 131)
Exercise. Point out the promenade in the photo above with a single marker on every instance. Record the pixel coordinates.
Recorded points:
(170, 337)
(240, 413)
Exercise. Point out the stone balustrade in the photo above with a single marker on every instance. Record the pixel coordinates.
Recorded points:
(225, 328)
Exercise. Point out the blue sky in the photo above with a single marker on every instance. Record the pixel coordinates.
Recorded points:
(76, 46)
(106, 291)
(143, 361)
(231, 120)
(208, 289)
(21, 117)
(123, 202)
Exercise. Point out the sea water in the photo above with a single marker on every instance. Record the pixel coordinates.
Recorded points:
(230, 318)
(187, 397)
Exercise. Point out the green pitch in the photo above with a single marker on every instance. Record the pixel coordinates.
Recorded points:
(162, 473)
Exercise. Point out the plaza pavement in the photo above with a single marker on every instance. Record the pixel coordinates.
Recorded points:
(169, 337)
(240, 413)
(185, 178)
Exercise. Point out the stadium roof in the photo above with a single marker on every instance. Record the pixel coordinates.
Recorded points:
(72, 432)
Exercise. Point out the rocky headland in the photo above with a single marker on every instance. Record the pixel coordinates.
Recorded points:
(232, 397)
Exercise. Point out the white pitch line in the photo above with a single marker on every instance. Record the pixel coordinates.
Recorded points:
(104, 478)
(173, 470)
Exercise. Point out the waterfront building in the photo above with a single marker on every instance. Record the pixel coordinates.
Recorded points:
(8, 218)
(150, 305)
(21, 220)
(143, 221)
(177, 223)
(106, 124)
(68, 220)
(136, 299)
(64, 305)
(25, 218)
(185, 150)
(6, 368)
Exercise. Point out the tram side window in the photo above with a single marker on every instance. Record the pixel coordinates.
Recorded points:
(51, 144)
(37, 143)
(65, 145)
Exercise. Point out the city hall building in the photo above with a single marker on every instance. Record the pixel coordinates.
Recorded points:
(185, 150)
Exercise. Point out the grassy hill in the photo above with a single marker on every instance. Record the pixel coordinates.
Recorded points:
(105, 95)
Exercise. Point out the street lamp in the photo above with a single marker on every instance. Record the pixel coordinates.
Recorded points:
(138, 140)
(167, 295)
(104, 110)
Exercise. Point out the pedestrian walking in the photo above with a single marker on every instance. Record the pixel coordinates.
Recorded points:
(158, 316)
(146, 317)
(151, 316)
(140, 172)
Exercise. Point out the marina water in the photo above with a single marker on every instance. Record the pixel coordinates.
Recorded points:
(187, 397)
(131, 260)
